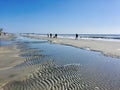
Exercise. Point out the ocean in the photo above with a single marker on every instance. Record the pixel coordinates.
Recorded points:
(103, 37)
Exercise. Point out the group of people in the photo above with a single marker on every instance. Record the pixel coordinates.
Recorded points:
(55, 36)
(2, 33)
(50, 35)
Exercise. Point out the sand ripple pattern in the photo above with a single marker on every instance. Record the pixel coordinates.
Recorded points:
(51, 77)
(47, 75)
(32, 56)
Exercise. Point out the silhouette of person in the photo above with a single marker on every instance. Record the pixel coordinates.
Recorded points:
(76, 36)
(55, 35)
(4, 33)
(50, 35)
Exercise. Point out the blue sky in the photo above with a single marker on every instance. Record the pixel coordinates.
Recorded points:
(60, 16)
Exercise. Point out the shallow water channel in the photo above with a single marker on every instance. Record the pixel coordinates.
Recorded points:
(96, 72)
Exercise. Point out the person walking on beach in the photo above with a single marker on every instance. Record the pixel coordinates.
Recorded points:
(55, 35)
(50, 35)
(76, 37)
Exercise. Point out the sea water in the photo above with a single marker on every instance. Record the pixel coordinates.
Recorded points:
(103, 37)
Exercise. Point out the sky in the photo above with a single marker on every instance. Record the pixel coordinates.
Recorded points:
(60, 16)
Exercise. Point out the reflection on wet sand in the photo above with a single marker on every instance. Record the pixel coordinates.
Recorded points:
(46, 75)
(39, 72)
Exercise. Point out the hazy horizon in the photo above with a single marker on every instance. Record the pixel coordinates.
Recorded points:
(60, 16)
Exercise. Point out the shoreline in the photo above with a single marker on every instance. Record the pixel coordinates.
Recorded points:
(7, 37)
(10, 76)
(107, 48)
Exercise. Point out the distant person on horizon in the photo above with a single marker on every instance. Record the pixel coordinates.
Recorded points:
(76, 37)
(4, 33)
(55, 36)
(50, 35)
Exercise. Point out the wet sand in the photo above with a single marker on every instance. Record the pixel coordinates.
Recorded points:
(9, 54)
(7, 37)
(29, 72)
(108, 48)
(39, 76)
(9, 57)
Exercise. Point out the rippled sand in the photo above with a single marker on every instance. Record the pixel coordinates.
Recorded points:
(45, 75)
(36, 72)
(9, 57)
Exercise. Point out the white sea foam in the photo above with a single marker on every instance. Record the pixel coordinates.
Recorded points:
(100, 39)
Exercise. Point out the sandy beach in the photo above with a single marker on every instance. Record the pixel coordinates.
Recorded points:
(9, 54)
(22, 66)
(9, 57)
(108, 48)
(60, 45)
(7, 37)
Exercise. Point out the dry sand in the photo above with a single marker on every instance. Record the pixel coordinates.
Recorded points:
(108, 48)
